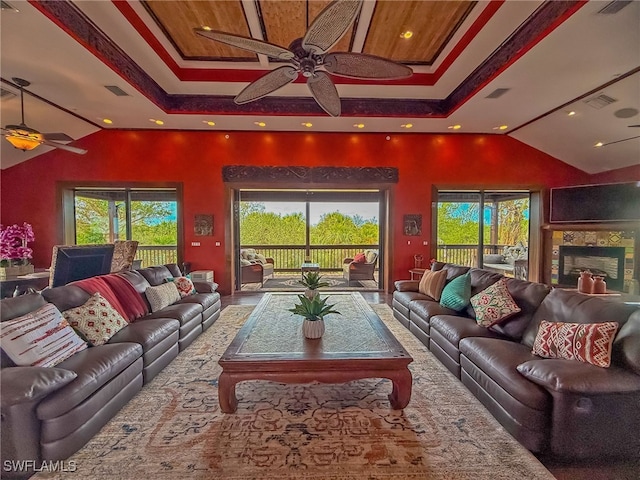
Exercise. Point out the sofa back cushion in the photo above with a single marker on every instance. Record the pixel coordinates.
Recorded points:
(573, 307)
(136, 279)
(528, 296)
(156, 275)
(626, 346)
(66, 297)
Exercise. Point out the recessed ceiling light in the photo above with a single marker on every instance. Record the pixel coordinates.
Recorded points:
(599, 144)
(358, 125)
(454, 127)
(211, 123)
(501, 127)
(407, 125)
(307, 124)
(260, 124)
(571, 113)
(157, 122)
(206, 27)
(407, 34)
(107, 121)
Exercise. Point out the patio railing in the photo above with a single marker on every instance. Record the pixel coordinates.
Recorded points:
(464, 254)
(288, 258)
(157, 254)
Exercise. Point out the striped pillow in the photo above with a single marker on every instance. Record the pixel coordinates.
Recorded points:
(42, 338)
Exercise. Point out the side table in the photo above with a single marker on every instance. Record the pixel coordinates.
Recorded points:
(416, 272)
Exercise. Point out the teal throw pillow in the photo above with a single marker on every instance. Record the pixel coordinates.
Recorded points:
(457, 293)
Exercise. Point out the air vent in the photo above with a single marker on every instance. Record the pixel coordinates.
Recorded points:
(6, 94)
(117, 91)
(600, 101)
(498, 92)
(614, 7)
(7, 6)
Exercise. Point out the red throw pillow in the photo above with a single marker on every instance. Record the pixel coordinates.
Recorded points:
(360, 258)
(585, 342)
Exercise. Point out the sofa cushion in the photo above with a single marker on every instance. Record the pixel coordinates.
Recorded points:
(42, 338)
(493, 258)
(184, 312)
(161, 296)
(454, 271)
(498, 359)
(156, 275)
(425, 309)
(96, 319)
(432, 283)
(147, 333)
(454, 328)
(589, 343)
(94, 367)
(457, 293)
(494, 304)
(28, 384)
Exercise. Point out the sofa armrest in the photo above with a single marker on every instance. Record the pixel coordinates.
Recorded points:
(347, 260)
(270, 260)
(30, 384)
(407, 285)
(205, 287)
(572, 376)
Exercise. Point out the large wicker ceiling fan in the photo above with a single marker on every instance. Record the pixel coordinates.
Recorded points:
(26, 138)
(308, 55)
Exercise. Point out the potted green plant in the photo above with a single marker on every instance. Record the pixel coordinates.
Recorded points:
(312, 281)
(313, 310)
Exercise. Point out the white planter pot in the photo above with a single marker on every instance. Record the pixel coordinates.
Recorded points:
(309, 293)
(313, 328)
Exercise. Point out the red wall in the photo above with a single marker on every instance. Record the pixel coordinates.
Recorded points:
(196, 158)
(628, 174)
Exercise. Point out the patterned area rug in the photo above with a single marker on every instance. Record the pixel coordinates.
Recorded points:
(173, 428)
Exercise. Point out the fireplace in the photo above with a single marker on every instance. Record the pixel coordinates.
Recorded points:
(607, 262)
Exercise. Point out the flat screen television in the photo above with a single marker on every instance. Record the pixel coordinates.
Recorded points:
(610, 202)
(77, 262)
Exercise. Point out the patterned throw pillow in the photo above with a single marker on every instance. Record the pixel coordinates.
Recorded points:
(185, 286)
(585, 342)
(162, 296)
(432, 283)
(97, 319)
(494, 304)
(457, 293)
(42, 338)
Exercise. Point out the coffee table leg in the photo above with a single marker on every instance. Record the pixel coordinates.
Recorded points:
(227, 393)
(401, 393)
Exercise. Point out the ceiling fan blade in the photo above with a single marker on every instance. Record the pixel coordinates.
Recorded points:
(266, 84)
(325, 93)
(619, 141)
(634, 125)
(330, 25)
(246, 43)
(362, 65)
(62, 146)
(57, 137)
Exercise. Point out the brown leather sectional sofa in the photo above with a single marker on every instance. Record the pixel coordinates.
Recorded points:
(50, 413)
(563, 408)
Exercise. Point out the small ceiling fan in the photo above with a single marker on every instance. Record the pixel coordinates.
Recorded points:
(26, 138)
(308, 55)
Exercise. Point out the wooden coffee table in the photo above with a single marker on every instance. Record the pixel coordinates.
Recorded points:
(271, 346)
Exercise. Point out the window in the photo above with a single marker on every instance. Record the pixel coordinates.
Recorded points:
(104, 215)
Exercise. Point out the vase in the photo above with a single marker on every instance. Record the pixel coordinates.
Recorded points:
(585, 282)
(16, 270)
(311, 293)
(599, 285)
(313, 328)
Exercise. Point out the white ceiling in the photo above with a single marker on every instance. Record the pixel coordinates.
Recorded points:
(586, 54)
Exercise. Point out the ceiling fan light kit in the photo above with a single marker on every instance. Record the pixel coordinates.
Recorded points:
(308, 56)
(26, 138)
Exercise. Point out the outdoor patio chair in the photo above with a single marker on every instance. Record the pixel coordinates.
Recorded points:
(353, 270)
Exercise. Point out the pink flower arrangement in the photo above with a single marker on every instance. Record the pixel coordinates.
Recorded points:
(13, 244)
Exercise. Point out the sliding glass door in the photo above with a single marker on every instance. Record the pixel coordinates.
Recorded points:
(486, 229)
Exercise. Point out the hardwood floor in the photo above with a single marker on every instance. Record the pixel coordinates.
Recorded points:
(595, 470)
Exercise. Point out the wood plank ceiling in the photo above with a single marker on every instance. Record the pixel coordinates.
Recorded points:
(283, 21)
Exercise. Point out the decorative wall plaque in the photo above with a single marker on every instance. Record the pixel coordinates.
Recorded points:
(203, 225)
(413, 224)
